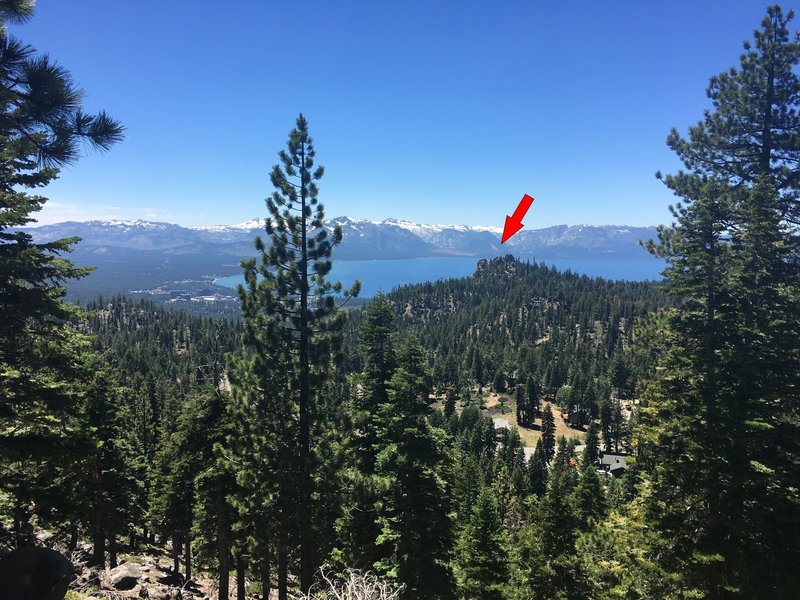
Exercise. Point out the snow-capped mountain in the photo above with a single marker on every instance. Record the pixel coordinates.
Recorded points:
(362, 239)
(134, 255)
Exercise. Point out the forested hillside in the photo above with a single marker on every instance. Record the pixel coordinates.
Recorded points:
(513, 321)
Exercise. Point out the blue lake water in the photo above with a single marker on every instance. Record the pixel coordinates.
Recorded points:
(385, 275)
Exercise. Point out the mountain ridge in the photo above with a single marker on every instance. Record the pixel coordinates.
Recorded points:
(136, 254)
(363, 238)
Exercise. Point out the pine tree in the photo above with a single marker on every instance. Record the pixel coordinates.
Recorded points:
(450, 403)
(42, 127)
(358, 527)
(500, 381)
(416, 527)
(519, 406)
(718, 411)
(716, 417)
(532, 393)
(481, 555)
(548, 433)
(753, 127)
(181, 457)
(469, 480)
(288, 295)
(545, 549)
(111, 489)
(537, 470)
(591, 454)
(606, 423)
(589, 497)
(745, 404)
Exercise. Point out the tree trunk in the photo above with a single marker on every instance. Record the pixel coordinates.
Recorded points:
(73, 537)
(283, 587)
(99, 546)
(23, 530)
(241, 565)
(265, 578)
(112, 550)
(187, 557)
(304, 505)
(223, 542)
(176, 554)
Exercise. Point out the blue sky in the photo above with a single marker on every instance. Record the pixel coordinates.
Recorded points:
(436, 112)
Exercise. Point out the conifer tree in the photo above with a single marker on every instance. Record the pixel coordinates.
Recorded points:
(469, 480)
(289, 295)
(753, 127)
(42, 127)
(545, 549)
(591, 453)
(450, 403)
(182, 456)
(590, 499)
(548, 433)
(519, 406)
(532, 393)
(537, 470)
(358, 527)
(481, 553)
(111, 489)
(606, 423)
(416, 527)
(717, 411)
(731, 398)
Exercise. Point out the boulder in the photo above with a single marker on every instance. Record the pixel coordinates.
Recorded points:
(32, 573)
(122, 577)
(172, 579)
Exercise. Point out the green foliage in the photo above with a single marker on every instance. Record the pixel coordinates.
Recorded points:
(753, 127)
(358, 528)
(518, 323)
(537, 470)
(42, 127)
(591, 454)
(548, 433)
(451, 397)
(315, 457)
(292, 339)
(719, 432)
(416, 527)
(481, 552)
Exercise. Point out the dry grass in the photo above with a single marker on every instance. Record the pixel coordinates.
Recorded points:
(492, 408)
(532, 435)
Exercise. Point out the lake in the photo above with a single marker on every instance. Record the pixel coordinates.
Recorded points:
(385, 275)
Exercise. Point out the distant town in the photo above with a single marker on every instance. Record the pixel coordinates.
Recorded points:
(174, 296)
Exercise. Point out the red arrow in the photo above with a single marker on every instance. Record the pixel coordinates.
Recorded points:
(514, 222)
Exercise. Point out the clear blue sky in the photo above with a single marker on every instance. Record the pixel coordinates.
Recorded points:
(436, 112)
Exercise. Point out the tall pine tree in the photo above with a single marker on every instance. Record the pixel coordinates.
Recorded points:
(288, 296)
(720, 425)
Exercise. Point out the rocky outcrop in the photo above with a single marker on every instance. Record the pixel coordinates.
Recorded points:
(508, 264)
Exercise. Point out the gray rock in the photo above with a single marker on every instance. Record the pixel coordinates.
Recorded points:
(122, 577)
(32, 573)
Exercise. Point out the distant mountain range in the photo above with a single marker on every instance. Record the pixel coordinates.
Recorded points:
(135, 254)
(363, 239)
